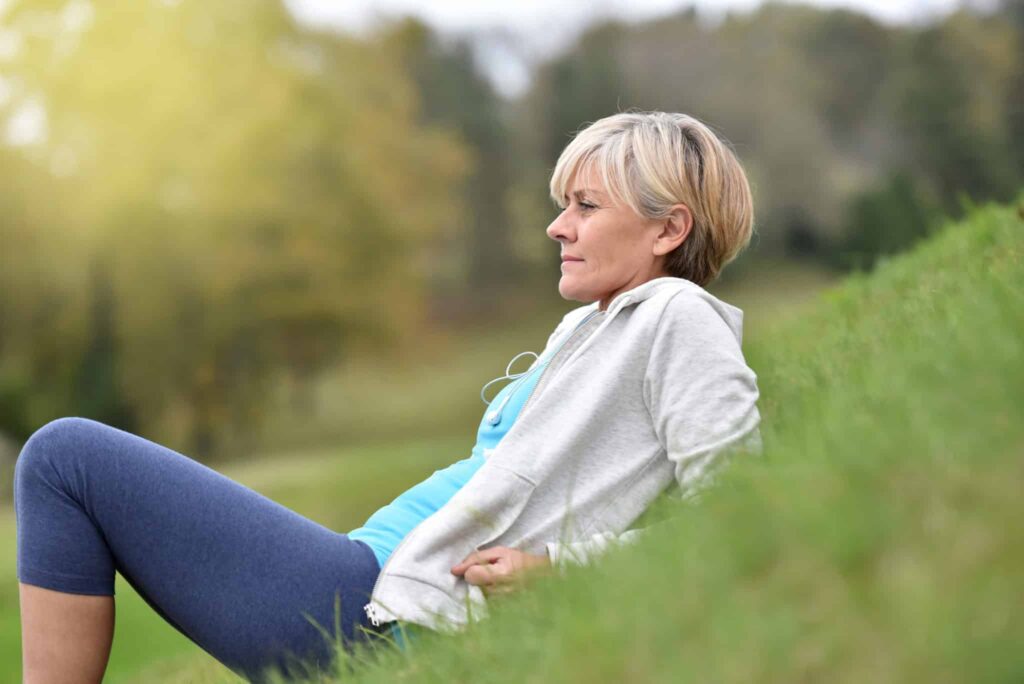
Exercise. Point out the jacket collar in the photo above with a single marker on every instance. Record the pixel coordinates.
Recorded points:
(732, 315)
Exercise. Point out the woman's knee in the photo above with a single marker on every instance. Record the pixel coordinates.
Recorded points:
(52, 445)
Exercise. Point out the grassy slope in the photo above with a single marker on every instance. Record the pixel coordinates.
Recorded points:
(880, 537)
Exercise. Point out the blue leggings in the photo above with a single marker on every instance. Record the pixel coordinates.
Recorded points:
(238, 574)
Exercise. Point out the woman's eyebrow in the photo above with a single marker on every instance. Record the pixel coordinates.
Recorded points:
(588, 191)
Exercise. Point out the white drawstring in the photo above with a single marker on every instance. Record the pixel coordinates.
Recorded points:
(494, 417)
(509, 375)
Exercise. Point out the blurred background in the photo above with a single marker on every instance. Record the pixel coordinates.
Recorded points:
(247, 229)
(208, 208)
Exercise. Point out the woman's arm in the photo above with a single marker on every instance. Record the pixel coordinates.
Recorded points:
(700, 392)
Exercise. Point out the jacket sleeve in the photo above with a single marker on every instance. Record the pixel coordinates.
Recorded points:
(701, 394)
(564, 554)
(702, 399)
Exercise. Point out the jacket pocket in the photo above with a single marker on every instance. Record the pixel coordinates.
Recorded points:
(502, 494)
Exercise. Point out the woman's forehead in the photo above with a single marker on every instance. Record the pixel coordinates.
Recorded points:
(585, 179)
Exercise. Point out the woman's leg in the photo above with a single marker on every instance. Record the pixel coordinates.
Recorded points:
(66, 637)
(240, 575)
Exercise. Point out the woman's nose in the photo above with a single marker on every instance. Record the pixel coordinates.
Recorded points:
(559, 229)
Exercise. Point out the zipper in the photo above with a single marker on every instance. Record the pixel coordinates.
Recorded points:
(494, 416)
(609, 315)
(371, 610)
(371, 613)
(619, 304)
(554, 354)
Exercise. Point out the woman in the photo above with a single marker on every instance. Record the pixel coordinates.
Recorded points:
(643, 387)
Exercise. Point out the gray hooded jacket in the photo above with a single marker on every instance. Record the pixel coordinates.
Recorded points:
(644, 396)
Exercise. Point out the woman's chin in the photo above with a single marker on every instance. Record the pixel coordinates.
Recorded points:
(574, 294)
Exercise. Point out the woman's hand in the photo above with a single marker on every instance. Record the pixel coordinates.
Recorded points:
(499, 569)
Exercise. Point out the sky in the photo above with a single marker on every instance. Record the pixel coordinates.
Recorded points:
(509, 37)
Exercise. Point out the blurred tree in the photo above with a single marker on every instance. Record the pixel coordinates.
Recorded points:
(258, 196)
(456, 96)
(885, 220)
(850, 53)
(1013, 12)
(94, 389)
(42, 307)
(954, 127)
(581, 86)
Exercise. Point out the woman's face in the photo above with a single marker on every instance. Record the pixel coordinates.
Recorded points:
(606, 249)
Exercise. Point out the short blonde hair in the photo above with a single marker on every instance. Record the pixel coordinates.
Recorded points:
(650, 161)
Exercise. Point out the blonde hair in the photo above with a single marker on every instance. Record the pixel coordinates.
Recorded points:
(651, 161)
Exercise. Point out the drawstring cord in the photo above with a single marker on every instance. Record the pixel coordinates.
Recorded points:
(509, 375)
(494, 417)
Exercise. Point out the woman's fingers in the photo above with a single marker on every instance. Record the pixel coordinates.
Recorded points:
(481, 575)
(480, 557)
(497, 570)
(491, 575)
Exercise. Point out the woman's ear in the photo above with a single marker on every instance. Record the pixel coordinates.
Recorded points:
(675, 228)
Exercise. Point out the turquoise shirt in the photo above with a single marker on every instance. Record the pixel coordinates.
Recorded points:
(386, 528)
(389, 525)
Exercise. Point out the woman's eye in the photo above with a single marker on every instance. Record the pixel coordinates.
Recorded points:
(587, 206)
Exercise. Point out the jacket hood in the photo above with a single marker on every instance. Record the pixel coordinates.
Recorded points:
(733, 316)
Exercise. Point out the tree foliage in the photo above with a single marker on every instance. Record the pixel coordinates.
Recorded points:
(217, 197)
(457, 97)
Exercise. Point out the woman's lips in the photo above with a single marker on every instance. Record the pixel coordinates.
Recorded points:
(568, 261)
